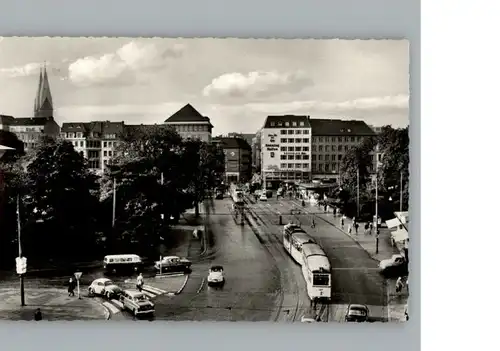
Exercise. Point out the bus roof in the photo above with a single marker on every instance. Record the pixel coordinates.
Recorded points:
(318, 264)
(303, 238)
(312, 250)
(122, 256)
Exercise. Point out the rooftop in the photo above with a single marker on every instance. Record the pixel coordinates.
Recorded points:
(330, 127)
(232, 143)
(100, 127)
(30, 121)
(287, 121)
(187, 114)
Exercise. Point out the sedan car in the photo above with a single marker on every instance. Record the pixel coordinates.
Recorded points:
(396, 265)
(105, 287)
(357, 313)
(216, 275)
(263, 197)
(137, 303)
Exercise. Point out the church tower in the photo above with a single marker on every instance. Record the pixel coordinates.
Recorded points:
(43, 101)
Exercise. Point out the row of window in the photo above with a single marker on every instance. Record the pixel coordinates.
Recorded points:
(294, 148)
(294, 157)
(94, 143)
(294, 165)
(297, 131)
(191, 127)
(296, 140)
(326, 157)
(328, 148)
(288, 124)
(330, 139)
(77, 135)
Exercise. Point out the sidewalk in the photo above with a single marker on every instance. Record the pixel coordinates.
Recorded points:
(55, 304)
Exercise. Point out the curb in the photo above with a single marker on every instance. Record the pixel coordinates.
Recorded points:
(183, 285)
(167, 275)
(107, 313)
(201, 286)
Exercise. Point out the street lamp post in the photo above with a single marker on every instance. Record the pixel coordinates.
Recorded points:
(357, 192)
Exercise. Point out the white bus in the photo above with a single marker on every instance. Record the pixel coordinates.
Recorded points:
(293, 239)
(316, 270)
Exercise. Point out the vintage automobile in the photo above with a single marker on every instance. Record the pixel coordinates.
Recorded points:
(357, 313)
(263, 197)
(216, 275)
(137, 303)
(105, 287)
(122, 263)
(396, 265)
(173, 264)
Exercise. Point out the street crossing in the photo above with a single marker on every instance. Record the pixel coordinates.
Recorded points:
(115, 306)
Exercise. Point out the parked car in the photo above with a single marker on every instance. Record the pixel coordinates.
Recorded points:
(216, 275)
(137, 303)
(357, 313)
(396, 265)
(173, 264)
(219, 195)
(105, 287)
(263, 197)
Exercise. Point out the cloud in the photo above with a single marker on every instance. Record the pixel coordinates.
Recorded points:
(29, 69)
(123, 65)
(256, 84)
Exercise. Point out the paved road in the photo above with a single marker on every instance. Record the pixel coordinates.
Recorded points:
(355, 276)
(252, 288)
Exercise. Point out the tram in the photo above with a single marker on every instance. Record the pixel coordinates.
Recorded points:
(237, 195)
(316, 270)
(294, 237)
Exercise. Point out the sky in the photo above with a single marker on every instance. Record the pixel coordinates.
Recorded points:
(235, 82)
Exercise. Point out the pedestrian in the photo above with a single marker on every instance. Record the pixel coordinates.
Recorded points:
(342, 221)
(349, 229)
(313, 224)
(326, 206)
(371, 228)
(367, 227)
(399, 284)
(71, 287)
(356, 227)
(38, 315)
(140, 282)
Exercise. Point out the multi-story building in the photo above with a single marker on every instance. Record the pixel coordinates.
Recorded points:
(190, 124)
(286, 149)
(30, 129)
(96, 141)
(377, 130)
(5, 122)
(331, 140)
(238, 158)
(256, 152)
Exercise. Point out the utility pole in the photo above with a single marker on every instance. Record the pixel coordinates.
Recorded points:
(401, 192)
(114, 202)
(376, 203)
(357, 191)
(21, 276)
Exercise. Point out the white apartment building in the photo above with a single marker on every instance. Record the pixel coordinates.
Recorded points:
(285, 149)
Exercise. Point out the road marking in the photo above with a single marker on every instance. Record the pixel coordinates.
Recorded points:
(147, 293)
(153, 290)
(111, 307)
(201, 286)
(117, 304)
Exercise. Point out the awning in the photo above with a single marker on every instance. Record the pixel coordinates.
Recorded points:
(393, 223)
(400, 235)
(404, 217)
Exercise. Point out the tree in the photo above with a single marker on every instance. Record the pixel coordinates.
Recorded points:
(358, 159)
(394, 147)
(58, 203)
(11, 140)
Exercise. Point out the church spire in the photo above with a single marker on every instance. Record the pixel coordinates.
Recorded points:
(43, 103)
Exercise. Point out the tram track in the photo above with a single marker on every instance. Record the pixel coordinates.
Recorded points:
(275, 241)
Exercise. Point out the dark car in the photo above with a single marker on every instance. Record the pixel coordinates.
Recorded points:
(219, 195)
(357, 313)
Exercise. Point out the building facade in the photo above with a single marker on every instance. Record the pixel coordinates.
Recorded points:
(96, 141)
(238, 159)
(190, 124)
(331, 140)
(256, 152)
(286, 149)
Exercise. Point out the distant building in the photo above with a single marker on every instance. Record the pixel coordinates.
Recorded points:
(286, 149)
(378, 155)
(247, 137)
(96, 141)
(238, 158)
(190, 124)
(331, 140)
(30, 129)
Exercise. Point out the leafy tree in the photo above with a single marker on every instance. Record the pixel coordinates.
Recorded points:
(394, 146)
(11, 140)
(57, 204)
(358, 159)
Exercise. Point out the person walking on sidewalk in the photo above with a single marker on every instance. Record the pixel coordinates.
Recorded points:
(399, 284)
(140, 282)
(356, 227)
(349, 229)
(367, 228)
(342, 221)
(38, 315)
(371, 228)
(71, 287)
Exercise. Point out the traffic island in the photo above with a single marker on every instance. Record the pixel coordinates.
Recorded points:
(54, 304)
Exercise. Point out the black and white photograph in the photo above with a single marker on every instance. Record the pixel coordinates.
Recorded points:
(158, 179)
